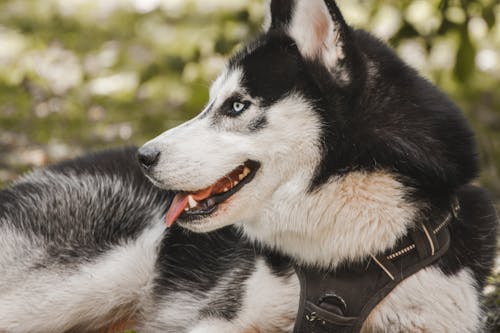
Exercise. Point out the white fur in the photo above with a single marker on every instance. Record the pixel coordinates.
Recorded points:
(198, 154)
(214, 326)
(13, 245)
(262, 308)
(315, 32)
(349, 218)
(174, 313)
(266, 25)
(262, 312)
(191, 143)
(92, 295)
(429, 301)
(259, 313)
(225, 84)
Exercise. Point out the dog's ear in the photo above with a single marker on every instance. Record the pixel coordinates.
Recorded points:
(279, 14)
(317, 26)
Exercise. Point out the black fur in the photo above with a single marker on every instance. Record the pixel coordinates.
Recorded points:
(473, 235)
(377, 113)
(391, 119)
(258, 124)
(272, 68)
(192, 262)
(281, 13)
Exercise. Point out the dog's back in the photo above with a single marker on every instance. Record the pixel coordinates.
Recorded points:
(84, 248)
(74, 247)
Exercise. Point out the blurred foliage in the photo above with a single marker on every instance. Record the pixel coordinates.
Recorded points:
(84, 74)
(77, 75)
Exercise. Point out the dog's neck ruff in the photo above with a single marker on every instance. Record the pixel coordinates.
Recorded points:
(346, 220)
(341, 300)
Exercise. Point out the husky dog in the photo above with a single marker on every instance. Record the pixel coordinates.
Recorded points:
(318, 148)
(320, 143)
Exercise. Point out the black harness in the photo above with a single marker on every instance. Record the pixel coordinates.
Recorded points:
(340, 301)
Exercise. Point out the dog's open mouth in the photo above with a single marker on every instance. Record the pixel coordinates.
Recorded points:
(195, 205)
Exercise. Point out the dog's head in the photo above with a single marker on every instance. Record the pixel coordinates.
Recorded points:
(309, 101)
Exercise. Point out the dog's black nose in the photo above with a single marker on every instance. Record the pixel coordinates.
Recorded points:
(148, 157)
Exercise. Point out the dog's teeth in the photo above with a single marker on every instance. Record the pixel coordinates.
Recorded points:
(186, 209)
(226, 189)
(192, 203)
(246, 172)
(235, 183)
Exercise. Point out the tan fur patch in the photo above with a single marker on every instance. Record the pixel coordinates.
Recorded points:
(118, 326)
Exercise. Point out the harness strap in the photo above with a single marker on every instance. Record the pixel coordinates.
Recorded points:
(340, 301)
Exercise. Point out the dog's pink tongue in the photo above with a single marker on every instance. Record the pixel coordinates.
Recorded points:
(180, 203)
(177, 206)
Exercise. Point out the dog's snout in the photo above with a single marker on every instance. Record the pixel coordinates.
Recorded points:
(148, 157)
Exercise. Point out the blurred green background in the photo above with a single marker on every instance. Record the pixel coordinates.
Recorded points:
(79, 75)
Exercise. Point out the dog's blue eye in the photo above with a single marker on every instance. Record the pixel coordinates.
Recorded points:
(239, 107)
